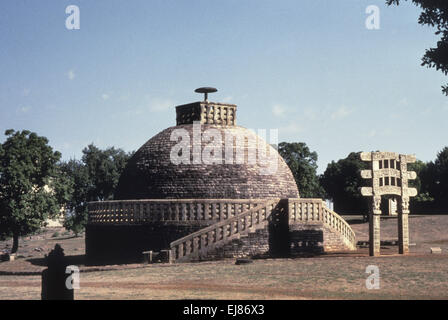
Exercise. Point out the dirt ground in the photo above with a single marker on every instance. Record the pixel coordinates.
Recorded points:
(420, 275)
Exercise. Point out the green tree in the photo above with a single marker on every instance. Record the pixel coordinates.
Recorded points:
(31, 186)
(434, 14)
(104, 168)
(342, 180)
(303, 164)
(438, 179)
(76, 216)
(94, 178)
(422, 182)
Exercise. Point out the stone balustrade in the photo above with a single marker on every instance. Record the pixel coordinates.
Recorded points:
(204, 240)
(225, 219)
(316, 211)
(147, 211)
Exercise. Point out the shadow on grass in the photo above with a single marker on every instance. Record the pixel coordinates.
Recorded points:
(79, 260)
(72, 260)
(64, 238)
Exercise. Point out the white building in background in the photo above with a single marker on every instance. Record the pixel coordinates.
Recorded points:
(55, 222)
(330, 204)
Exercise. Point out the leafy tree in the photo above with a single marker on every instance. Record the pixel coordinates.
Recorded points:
(438, 179)
(31, 187)
(434, 14)
(422, 182)
(95, 178)
(76, 216)
(342, 180)
(303, 164)
(104, 168)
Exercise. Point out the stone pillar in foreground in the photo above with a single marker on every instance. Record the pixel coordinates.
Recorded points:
(374, 228)
(388, 175)
(403, 227)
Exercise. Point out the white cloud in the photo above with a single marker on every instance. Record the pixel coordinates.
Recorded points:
(66, 145)
(71, 74)
(24, 109)
(227, 99)
(426, 110)
(341, 113)
(26, 92)
(387, 132)
(160, 105)
(310, 113)
(403, 102)
(278, 110)
(291, 128)
(124, 97)
(105, 96)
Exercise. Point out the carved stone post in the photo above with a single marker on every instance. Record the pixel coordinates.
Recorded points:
(403, 227)
(374, 227)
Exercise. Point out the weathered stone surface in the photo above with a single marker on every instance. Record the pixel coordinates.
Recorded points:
(436, 250)
(206, 113)
(388, 175)
(150, 174)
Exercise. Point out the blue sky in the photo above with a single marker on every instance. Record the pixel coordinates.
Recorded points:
(309, 68)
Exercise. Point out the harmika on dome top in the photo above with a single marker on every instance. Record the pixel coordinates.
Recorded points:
(152, 174)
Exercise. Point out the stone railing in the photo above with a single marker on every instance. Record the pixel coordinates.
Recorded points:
(146, 211)
(316, 211)
(225, 219)
(305, 210)
(201, 242)
(206, 113)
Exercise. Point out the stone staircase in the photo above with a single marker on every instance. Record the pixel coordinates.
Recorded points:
(197, 245)
(314, 214)
(246, 234)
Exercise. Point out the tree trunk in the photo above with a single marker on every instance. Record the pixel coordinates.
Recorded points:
(15, 243)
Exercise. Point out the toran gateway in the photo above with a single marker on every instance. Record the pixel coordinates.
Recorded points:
(389, 176)
(202, 211)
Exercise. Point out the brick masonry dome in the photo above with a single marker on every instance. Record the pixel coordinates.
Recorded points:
(151, 174)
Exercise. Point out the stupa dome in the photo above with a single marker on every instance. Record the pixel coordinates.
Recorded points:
(152, 174)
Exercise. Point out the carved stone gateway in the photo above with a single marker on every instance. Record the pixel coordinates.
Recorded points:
(389, 176)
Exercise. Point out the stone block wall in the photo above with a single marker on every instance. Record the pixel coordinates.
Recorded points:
(315, 238)
(151, 173)
(334, 242)
(125, 243)
(306, 238)
(253, 244)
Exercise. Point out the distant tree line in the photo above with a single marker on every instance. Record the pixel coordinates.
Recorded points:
(94, 178)
(35, 184)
